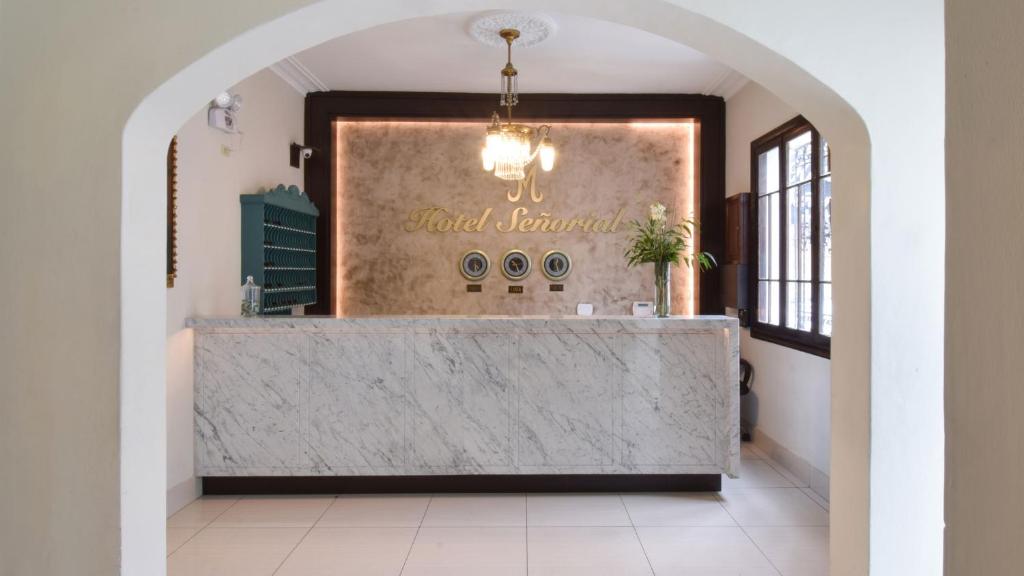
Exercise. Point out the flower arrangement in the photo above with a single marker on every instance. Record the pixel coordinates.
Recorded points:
(654, 240)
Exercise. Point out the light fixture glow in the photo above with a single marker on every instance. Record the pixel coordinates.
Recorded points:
(223, 100)
(547, 154)
(508, 147)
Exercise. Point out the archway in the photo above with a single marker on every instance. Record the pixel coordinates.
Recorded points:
(714, 31)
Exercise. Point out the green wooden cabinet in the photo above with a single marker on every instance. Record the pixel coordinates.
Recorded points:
(279, 247)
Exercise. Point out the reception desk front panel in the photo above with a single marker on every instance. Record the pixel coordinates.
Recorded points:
(412, 396)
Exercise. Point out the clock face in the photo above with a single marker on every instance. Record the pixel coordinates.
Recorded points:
(557, 265)
(475, 265)
(515, 265)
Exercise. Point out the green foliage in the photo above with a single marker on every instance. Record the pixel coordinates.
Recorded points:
(655, 241)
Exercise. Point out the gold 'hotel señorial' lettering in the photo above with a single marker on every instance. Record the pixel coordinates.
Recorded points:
(436, 219)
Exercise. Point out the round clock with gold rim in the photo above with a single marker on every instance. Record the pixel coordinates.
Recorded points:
(474, 265)
(515, 265)
(556, 265)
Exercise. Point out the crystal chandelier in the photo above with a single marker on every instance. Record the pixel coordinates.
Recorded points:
(508, 147)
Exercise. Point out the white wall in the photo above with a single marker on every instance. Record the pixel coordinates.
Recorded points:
(984, 275)
(214, 168)
(791, 399)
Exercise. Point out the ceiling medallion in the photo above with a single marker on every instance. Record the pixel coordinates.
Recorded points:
(508, 146)
(533, 28)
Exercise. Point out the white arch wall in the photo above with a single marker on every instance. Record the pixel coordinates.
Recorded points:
(78, 72)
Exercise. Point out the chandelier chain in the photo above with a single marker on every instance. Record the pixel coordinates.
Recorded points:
(508, 147)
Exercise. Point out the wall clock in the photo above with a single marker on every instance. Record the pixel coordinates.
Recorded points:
(474, 265)
(556, 265)
(515, 265)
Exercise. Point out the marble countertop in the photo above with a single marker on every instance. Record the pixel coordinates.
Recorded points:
(547, 322)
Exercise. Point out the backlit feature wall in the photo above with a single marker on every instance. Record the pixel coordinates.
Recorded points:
(412, 198)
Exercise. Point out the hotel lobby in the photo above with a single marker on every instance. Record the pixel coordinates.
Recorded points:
(562, 288)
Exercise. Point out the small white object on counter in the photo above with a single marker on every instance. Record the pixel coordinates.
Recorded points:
(643, 309)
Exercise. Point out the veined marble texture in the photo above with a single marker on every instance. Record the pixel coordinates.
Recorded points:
(356, 396)
(250, 397)
(466, 395)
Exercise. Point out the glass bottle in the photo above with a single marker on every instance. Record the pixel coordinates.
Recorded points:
(250, 298)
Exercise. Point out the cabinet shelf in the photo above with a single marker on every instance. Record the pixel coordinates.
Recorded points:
(288, 248)
(288, 289)
(279, 244)
(289, 228)
(288, 307)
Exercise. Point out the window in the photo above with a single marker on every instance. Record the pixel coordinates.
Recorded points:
(791, 292)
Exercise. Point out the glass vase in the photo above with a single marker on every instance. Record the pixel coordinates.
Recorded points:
(662, 289)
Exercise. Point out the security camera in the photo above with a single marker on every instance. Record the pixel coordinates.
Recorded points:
(307, 152)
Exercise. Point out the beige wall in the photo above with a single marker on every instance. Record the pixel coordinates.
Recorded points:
(213, 169)
(791, 398)
(389, 170)
(984, 275)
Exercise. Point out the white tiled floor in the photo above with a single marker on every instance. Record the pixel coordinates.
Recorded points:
(759, 525)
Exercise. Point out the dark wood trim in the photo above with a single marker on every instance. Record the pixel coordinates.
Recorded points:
(323, 108)
(172, 211)
(796, 124)
(815, 232)
(222, 485)
(810, 342)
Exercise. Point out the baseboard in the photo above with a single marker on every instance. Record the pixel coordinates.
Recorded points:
(182, 494)
(800, 468)
(237, 485)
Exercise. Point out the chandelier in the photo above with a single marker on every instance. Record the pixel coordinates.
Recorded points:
(508, 147)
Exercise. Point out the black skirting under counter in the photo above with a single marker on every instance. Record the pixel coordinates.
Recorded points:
(242, 485)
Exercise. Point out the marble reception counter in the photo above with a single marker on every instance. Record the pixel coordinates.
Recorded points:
(424, 396)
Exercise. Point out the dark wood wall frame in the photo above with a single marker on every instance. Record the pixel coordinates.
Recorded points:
(323, 108)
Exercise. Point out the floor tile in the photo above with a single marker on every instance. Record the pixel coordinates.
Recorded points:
(755, 474)
(476, 510)
(801, 570)
(274, 511)
(795, 551)
(234, 552)
(469, 551)
(576, 510)
(816, 497)
(785, 473)
(350, 552)
(200, 512)
(589, 550)
(773, 507)
(371, 510)
(178, 536)
(676, 509)
(711, 551)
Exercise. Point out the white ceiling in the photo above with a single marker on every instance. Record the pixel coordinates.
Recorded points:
(437, 54)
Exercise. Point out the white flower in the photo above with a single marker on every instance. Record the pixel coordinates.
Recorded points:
(658, 213)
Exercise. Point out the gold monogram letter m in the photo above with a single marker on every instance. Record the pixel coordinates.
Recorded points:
(531, 182)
